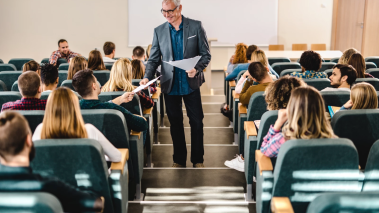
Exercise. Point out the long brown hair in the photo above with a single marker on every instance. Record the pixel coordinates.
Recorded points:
(358, 62)
(138, 69)
(76, 64)
(32, 66)
(63, 118)
(363, 96)
(346, 55)
(120, 78)
(95, 61)
(240, 54)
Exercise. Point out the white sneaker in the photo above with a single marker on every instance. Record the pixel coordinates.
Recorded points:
(237, 164)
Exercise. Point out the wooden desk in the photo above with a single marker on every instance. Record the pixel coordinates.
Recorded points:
(294, 55)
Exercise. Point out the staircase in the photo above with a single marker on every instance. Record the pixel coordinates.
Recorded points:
(215, 188)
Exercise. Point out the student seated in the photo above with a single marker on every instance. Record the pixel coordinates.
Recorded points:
(109, 52)
(95, 61)
(63, 119)
(258, 73)
(32, 66)
(29, 84)
(277, 96)
(362, 96)
(304, 118)
(310, 62)
(16, 153)
(139, 54)
(62, 52)
(85, 83)
(148, 49)
(240, 56)
(76, 64)
(346, 55)
(358, 62)
(49, 77)
(342, 78)
(121, 80)
(138, 70)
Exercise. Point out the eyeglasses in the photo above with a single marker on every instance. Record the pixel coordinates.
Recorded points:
(170, 12)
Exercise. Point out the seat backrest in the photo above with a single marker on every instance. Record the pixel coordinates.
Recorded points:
(9, 77)
(34, 117)
(326, 66)
(9, 96)
(64, 66)
(133, 106)
(335, 60)
(111, 123)
(318, 83)
(370, 65)
(320, 47)
(373, 71)
(135, 82)
(306, 168)
(3, 87)
(335, 98)
(45, 60)
(257, 106)
(240, 74)
(15, 87)
(299, 47)
(374, 59)
(32, 202)
(62, 76)
(109, 66)
(273, 47)
(68, 83)
(359, 202)
(272, 60)
(19, 62)
(328, 72)
(7, 67)
(289, 71)
(268, 118)
(280, 66)
(373, 81)
(1, 61)
(78, 162)
(371, 182)
(102, 76)
(360, 126)
(46, 94)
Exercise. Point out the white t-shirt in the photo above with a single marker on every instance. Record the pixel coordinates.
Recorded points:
(108, 60)
(112, 154)
(336, 89)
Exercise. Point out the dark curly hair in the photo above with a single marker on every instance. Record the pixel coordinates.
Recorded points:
(310, 60)
(49, 74)
(278, 93)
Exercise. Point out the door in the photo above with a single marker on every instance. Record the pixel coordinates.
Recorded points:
(371, 29)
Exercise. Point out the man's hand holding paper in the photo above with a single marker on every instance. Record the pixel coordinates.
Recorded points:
(191, 73)
(186, 64)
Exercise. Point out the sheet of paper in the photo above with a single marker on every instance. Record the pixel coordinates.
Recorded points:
(142, 87)
(185, 64)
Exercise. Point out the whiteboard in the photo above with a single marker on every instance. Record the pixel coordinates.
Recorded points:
(230, 21)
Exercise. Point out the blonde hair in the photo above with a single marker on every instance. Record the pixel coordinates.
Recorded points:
(346, 55)
(363, 95)
(120, 78)
(260, 56)
(306, 116)
(76, 64)
(148, 50)
(63, 118)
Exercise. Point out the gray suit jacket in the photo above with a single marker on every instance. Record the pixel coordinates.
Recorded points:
(195, 44)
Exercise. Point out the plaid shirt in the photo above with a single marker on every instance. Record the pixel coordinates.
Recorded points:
(272, 142)
(146, 101)
(25, 104)
(309, 74)
(57, 55)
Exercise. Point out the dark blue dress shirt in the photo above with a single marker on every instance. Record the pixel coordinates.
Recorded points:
(180, 84)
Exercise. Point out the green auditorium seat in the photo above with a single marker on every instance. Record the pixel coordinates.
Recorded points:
(326, 66)
(30, 202)
(109, 66)
(256, 108)
(359, 125)
(15, 87)
(45, 60)
(60, 61)
(329, 72)
(253, 142)
(135, 82)
(7, 67)
(68, 84)
(102, 76)
(3, 87)
(272, 60)
(335, 98)
(318, 83)
(85, 167)
(63, 66)
(335, 60)
(373, 81)
(370, 65)
(374, 59)
(19, 62)
(123, 57)
(240, 74)
(113, 125)
(280, 66)
(9, 96)
(305, 169)
(289, 71)
(371, 181)
(46, 94)
(9, 77)
(62, 76)
(34, 117)
(374, 72)
(1, 61)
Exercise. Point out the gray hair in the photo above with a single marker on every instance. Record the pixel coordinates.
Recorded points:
(176, 2)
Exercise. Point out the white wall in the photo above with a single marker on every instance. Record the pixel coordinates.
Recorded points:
(33, 29)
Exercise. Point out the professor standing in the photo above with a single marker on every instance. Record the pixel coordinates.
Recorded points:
(177, 39)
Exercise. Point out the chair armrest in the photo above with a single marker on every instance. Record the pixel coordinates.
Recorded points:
(263, 161)
(242, 109)
(157, 94)
(124, 158)
(134, 133)
(281, 205)
(250, 129)
(236, 95)
(232, 83)
(148, 111)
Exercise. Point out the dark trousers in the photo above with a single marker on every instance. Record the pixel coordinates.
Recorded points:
(175, 116)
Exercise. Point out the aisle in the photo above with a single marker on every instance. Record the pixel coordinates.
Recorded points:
(214, 188)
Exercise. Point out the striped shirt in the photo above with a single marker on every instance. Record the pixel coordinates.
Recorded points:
(272, 142)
